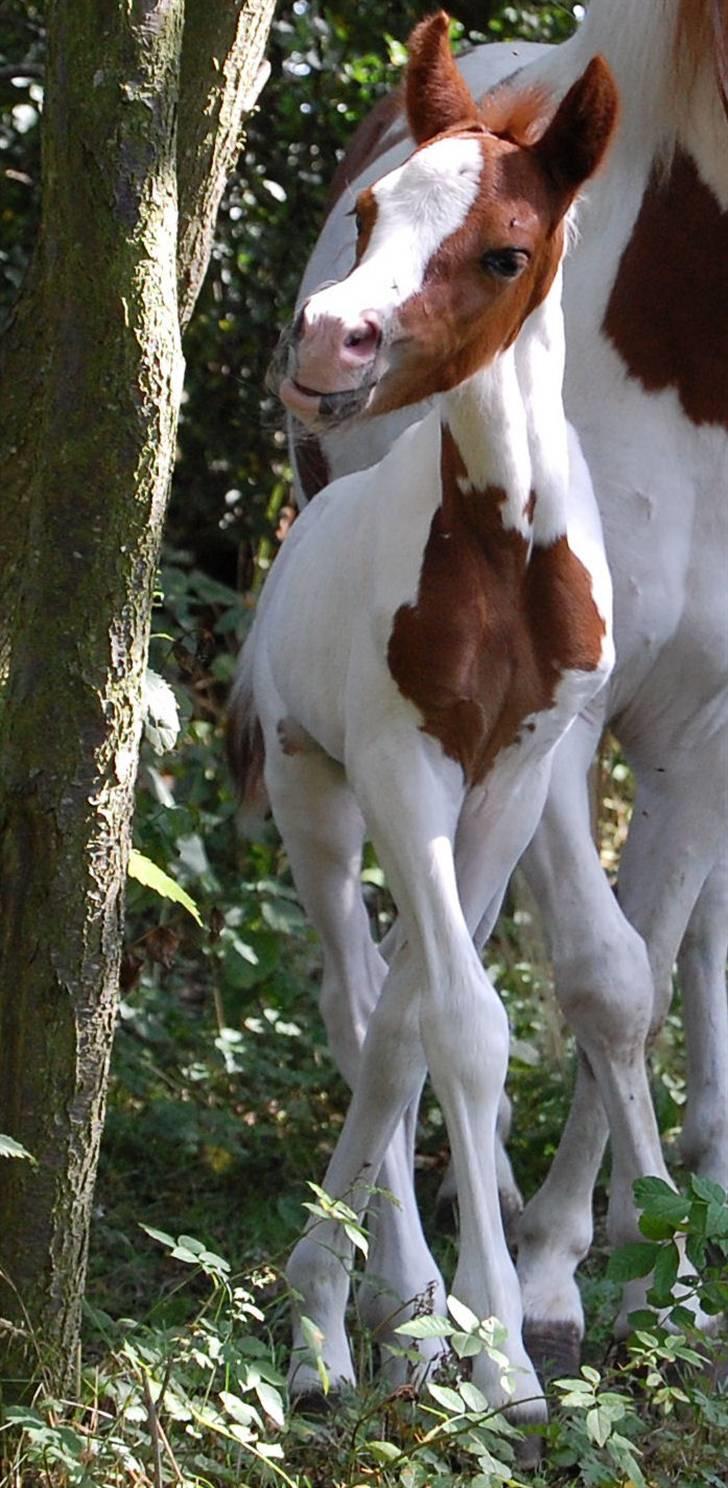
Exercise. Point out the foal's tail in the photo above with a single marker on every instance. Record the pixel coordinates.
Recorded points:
(244, 739)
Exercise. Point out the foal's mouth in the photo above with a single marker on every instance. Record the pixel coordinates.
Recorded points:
(309, 404)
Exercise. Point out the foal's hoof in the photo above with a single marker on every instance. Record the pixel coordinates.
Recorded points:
(553, 1348)
(315, 1403)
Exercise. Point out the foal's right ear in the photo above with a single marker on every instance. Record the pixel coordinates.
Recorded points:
(576, 140)
(437, 96)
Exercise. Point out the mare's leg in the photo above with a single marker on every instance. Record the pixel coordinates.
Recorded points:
(673, 884)
(702, 967)
(604, 984)
(436, 996)
(323, 832)
(613, 964)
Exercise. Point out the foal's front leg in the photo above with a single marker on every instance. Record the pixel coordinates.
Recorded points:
(323, 832)
(436, 996)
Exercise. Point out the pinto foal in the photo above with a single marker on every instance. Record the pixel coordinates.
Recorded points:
(428, 633)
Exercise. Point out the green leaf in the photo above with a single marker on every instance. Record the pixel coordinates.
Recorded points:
(465, 1319)
(10, 1148)
(384, 1451)
(447, 1398)
(467, 1345)
(660, 1202)
(271, 1402)
(160, 1235)
(666, 1269)
(473, 1397)
(630, 1261)
(147, 873)
(708, 1190)
(426, 1327)
(240, 1411)
(599, 1425)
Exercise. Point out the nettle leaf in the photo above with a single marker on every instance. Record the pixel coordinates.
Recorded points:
(630, 1261)
(147, 873)
(666, 1269)
(10, 1148)
(708, 1190)
(660, 1203)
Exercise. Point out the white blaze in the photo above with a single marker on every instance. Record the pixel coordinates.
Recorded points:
(419, 206)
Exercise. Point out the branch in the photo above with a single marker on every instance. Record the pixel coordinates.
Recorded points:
(222, 75)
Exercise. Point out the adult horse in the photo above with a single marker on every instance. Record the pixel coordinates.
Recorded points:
(646, 304)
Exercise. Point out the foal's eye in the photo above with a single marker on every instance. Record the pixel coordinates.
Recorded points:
(505, 263)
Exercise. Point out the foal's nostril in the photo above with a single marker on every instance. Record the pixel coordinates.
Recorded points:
(363, 341)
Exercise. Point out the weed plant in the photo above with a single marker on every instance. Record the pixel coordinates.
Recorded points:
(224, 1105)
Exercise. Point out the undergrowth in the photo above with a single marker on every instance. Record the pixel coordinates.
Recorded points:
(224, 1103)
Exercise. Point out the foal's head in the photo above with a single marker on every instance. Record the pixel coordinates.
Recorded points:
(454, 248)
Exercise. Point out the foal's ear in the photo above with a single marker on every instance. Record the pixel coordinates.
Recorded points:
(437, 97)
(577, 137)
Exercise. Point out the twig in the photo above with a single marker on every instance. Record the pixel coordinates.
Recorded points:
(154, 1433)
(167, 1447)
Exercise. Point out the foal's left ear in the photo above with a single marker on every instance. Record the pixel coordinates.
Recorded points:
(576, 140)
(437, 96)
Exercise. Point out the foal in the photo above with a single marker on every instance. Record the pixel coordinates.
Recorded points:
(428, 633)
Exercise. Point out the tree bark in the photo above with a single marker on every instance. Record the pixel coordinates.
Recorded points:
(222, 75)
(95, 359)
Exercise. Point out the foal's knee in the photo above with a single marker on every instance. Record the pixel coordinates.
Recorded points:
(466, 1037)
(607, 994)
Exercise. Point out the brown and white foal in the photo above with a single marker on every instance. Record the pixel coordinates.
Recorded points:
(428, 633)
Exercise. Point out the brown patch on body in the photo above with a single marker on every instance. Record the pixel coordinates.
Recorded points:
(667, 314)
(374, 137)
(492, 631)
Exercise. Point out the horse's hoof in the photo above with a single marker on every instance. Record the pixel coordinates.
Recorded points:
(528, 1452)
(553, 1348)
(315, 1403)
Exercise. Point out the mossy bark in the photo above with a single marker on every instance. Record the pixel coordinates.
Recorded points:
(96, 372)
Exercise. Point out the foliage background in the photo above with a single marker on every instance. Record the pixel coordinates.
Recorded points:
(223, 1099)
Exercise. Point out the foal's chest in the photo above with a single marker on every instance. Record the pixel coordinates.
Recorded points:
(493, 628)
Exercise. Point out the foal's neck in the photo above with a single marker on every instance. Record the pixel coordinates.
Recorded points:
(509, 427)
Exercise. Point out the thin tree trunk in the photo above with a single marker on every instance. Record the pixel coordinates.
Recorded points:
(96, 346)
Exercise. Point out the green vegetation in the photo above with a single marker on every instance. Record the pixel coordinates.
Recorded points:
(224, 1102)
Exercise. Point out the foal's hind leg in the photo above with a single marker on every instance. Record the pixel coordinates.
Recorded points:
(323, 832)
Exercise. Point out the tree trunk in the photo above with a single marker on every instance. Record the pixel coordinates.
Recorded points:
(95, 359)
